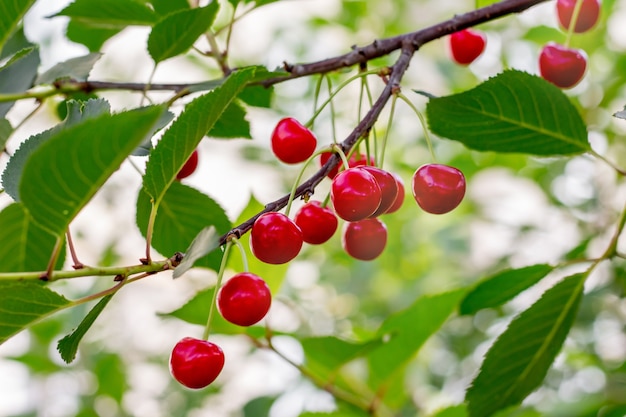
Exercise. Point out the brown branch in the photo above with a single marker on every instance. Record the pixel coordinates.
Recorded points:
(408, 44)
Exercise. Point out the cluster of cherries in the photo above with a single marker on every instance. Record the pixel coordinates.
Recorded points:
(558, 64)
(359, 194)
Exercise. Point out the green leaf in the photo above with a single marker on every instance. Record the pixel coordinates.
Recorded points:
(93, 37)
(183, 213)
(111, 14)
(76, 111)
(327, 354)
(185, 133)
(512, 112)
(5, 132)
(75, 68)
(520, 358)
(165, 7)
(76, 162)
(25, 246)
(177, 32)
(206, 241)
(232, 124)
(408, 330)
(24, 303)
(68, 345)
(502, 287)
(11, 12)
(454, 411)
(18, 74)
(258, 407)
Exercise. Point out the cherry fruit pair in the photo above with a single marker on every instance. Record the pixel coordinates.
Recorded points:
(243, 300)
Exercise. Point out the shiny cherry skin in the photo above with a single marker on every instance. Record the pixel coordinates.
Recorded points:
(563, 67)
(195, 363)
(365, 239)
(353, 161)
(292, 142)
(388, 188)
(397, 203)
(587, 18)
(275, 239)
(437, 188)
(189, 167)
(355, 194)
(318, 224)
(244, 299)
(466, 45)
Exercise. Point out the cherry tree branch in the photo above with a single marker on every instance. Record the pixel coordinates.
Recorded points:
(408, 44)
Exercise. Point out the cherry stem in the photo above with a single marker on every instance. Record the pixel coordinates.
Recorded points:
(316, 96)
(392, 111)
(608, 162)
(423, 122)
(242, 251)
(332, 111)
(292, 194)
(334, 93)
(573, 21)
(218, 284)
(70, 244)
(149, 230)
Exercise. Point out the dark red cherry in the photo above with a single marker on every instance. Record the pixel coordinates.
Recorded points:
(292, 142)
(388, 188)
(466, 45)
(563, 67)
(355, 194)
(365, 239)
(196, 363)
(587, 18)
(189, 167)
(244, 299)
(275, 239)
(397, 203)
(438, 188)
(318, 224)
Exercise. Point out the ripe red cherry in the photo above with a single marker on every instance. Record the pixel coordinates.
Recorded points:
(244, 299)
(397, 203)
(189, 167)
(467, 45)
(275, 239)
(318, 224)
(438, 188)
(292, 142)
(587, 18)
(196, 363)
(355, 194)
(563, 67)
(388, 188)
(365, 239)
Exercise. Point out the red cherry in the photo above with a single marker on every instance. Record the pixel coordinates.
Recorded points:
(318, 224)
(388, 188)
(292, 142)
(244, 299)
(562, 66)
(189, 167)
(438, 188)
(275, 239)
(352, 162)
(196, 363)
(355, 194)
(587, 18)
(397, 203)
(467, 45)
(365, 239)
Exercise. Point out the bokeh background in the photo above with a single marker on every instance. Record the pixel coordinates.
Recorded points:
(518, 211)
